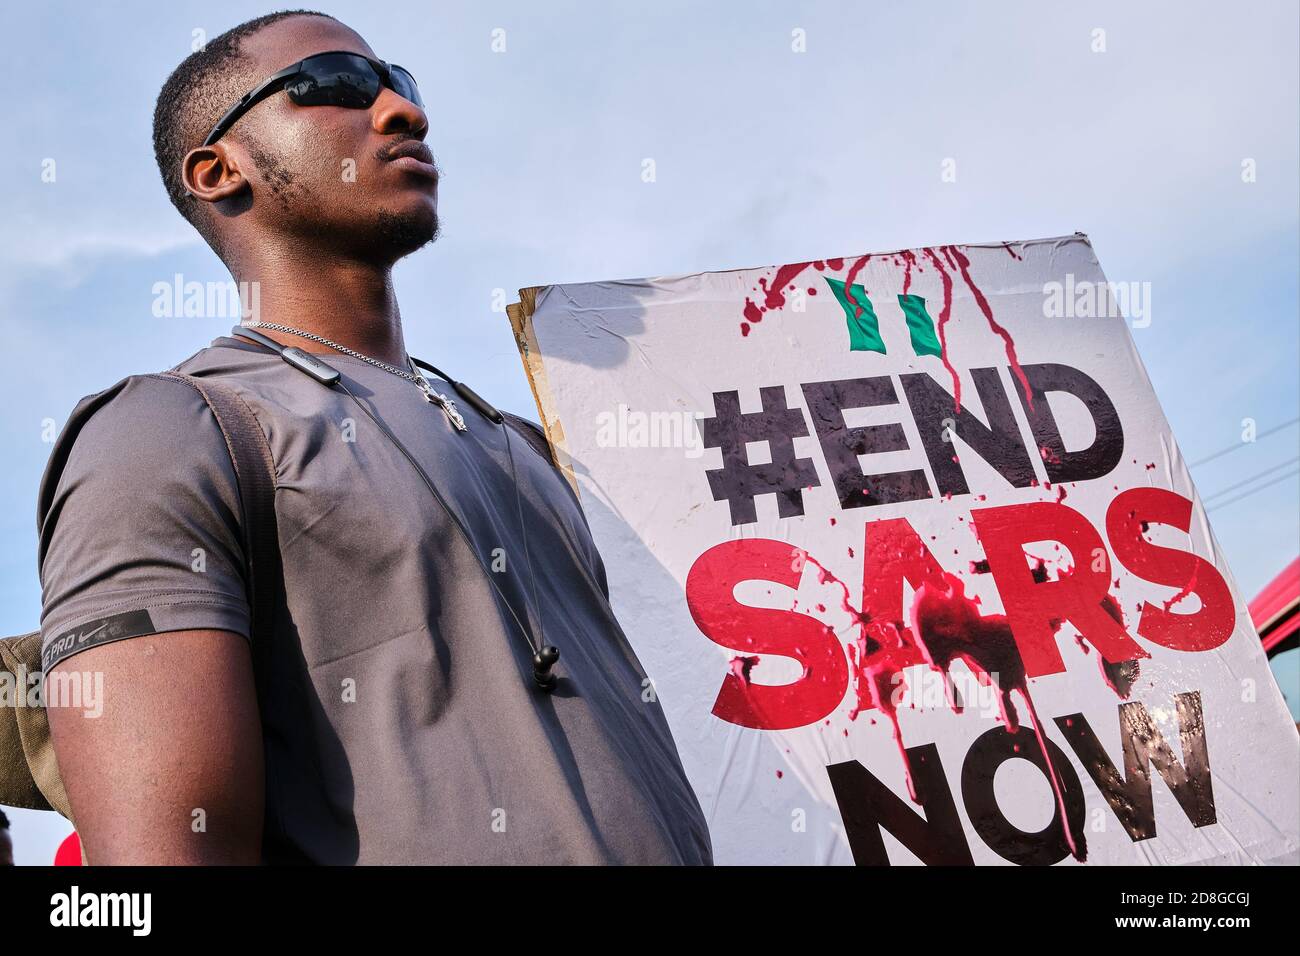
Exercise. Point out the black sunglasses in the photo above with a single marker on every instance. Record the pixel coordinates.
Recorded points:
(336, 78)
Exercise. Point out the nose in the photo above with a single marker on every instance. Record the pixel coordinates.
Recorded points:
(396, 114)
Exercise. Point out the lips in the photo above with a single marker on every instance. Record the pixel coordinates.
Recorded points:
(412, 155)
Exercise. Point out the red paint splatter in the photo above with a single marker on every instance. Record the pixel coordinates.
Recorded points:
(949, 627)
(872, 658)
(1119, 677)
(848, 284)
(741, 666)
(1187, 589)
(785, 275)
(983, 303)
(909, 260)
(1012, 252)
(773, 292)
(945, 313)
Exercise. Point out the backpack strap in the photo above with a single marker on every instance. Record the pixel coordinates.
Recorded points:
(29, 773)
(255, 478)
(250, 453)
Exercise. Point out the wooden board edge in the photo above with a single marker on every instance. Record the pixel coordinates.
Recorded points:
(521, 321)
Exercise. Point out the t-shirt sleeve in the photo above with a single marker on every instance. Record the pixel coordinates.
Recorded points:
(139, 521)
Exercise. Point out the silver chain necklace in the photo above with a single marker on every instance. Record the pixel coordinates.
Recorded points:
(431, 395)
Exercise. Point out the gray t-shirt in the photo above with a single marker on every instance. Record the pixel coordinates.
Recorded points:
(405, 726)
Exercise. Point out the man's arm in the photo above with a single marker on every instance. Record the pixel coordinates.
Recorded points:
(143, 580)
(179, 733)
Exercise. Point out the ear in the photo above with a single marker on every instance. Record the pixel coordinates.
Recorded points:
(212, 173)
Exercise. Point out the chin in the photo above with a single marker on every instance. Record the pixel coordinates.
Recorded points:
(401, 232)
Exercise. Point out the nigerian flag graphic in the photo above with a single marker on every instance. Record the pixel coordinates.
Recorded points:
(864, 326)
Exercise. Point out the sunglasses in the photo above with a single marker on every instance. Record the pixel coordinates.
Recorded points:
(337, 78)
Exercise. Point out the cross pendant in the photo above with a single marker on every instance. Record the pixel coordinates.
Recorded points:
(447, 405)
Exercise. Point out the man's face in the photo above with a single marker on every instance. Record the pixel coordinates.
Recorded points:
(328, 173)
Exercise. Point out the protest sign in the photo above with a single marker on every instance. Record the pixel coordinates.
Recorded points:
(915, 565)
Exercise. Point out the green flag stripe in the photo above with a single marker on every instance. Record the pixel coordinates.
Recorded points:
(920, 325)
(864, 327)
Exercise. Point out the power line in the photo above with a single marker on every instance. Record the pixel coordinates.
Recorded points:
(1243, 444)
(1247, 494)
(1245, 481)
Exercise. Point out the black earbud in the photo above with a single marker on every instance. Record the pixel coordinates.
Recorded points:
(471, 397)
(543, 661)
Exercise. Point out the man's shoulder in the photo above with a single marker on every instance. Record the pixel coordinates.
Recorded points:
(226, 356)
(143, 401)
(161, 398)
(141, 428)
(532, 433)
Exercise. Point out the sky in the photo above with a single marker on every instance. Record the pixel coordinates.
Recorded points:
(1133, 123)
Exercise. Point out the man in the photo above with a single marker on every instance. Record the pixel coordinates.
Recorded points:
(403, 723)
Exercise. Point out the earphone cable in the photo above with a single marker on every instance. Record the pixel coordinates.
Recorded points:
(523, 530)
(455, 519)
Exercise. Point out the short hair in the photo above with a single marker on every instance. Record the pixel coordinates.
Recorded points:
(195, 96)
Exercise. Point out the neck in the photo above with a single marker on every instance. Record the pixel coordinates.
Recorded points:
(348, 302)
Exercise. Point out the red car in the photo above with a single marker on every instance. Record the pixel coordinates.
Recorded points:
(1276, 613)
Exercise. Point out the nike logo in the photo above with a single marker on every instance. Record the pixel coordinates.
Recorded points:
(114, 628)
(82, 638)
